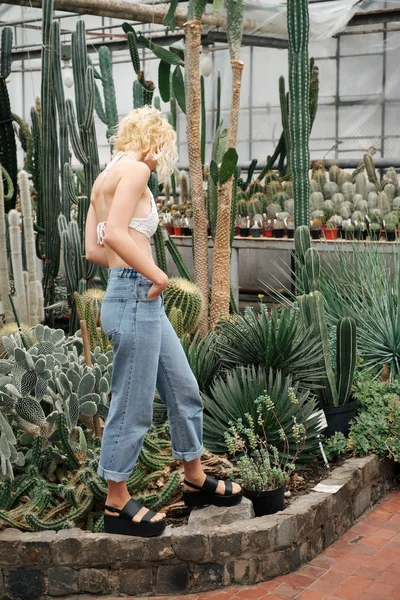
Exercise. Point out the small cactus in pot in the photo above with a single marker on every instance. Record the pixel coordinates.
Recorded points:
(331, 230)
(316, 229)
(279, 228)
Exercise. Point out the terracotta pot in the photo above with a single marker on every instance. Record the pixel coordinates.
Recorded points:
(237, 230)
(178, 230)
(170, 229)
(268, 233)
(331, 234)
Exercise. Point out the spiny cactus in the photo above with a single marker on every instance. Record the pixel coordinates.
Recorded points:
(4, 275)
(17, 265)
(186, 296)
(299, 114)
(336, 388)
(107, 111)
(8, 150)
(176, 317)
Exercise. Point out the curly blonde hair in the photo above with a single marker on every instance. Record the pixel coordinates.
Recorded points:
(146, 130)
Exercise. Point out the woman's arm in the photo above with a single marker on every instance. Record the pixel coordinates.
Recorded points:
(129, 191)
(94, 251)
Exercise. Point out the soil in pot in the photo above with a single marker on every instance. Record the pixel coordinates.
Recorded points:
(278, 233)
(338, 418)
(268, 502)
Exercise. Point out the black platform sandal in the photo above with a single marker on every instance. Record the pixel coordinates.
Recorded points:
(124, 525)
(207, 494)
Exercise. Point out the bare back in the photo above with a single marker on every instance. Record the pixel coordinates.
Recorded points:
(102, 196)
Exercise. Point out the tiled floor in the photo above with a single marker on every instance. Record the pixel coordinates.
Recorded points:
(363, 565)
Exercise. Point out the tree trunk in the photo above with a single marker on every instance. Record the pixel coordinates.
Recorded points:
(221, 282)
(192, 89)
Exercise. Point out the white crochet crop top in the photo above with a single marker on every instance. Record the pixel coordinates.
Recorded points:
(147, 225)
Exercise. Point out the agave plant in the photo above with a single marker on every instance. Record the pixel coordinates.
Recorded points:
(234, 395)
(203, 357)
(275, 340)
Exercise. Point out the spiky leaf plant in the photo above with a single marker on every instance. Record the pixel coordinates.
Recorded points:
(275, 340)
(233, 396)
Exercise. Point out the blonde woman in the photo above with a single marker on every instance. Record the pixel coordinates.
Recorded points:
(147, 353)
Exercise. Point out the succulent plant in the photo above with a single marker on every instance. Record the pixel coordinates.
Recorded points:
(186, 296)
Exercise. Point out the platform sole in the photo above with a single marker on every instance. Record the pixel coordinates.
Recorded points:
(126, 527)
(200, 499)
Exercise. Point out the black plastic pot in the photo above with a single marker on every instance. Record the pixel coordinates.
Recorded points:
(187, 231)
(374, 234)
(278, 233)
(268, 502)
(342, 233)
(390, 236)
(244, 232)
(359, 235)
(255, 232)
(316, 234)
(290, 234)
(349, 235)
(338, 418)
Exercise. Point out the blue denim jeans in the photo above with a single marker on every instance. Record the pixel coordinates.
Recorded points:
(147, 355)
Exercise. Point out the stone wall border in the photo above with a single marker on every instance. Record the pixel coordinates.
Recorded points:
(75, 564)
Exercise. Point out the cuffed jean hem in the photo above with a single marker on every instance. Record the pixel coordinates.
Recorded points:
(187, 456)
(112, 475)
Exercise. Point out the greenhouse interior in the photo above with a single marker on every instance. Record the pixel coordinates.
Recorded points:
(202, 402)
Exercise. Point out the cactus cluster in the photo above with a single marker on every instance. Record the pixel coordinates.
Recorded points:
(88, 306)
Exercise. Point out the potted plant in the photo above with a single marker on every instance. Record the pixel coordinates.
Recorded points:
(334, 394)
(331, 230)
(390, 232)
(178, 226)
(244, 227)
(279, 228)
(256, 229)
(268, 229)
(348, 230)
(375, 231)
(359, 231)
(290, 228)
(316, 229)
(262, 472)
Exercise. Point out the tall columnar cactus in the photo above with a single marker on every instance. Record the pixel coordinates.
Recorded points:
(34, 286)
(299, 113)
(8, 150)
(221, 282)
(107, 111)
(61, 108)
(49, 165)
(336, 388)
(4, 275)
(82, 131)
(187, 297)
(16, 261)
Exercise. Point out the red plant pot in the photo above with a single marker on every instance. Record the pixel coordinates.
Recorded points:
(178, 230)
(331, 234)
(237, 230)
(268, 233)
(170, 229)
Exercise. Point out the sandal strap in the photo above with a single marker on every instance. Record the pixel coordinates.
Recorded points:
(210, 484)
(228, 488)
(130, 510)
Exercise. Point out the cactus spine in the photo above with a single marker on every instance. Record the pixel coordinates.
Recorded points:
(299, 114)
(8, 150)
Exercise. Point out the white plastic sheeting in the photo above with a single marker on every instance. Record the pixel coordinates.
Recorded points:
(326, 18)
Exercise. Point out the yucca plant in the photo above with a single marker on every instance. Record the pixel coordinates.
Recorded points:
(203, 358)
(234, 395)
(275, 340)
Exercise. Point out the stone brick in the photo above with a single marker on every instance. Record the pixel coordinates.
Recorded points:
(26, 584)
(309, 512)
(243, 571)
(36, 548)
(369, 468)
(172, 579)
(135, 582)
(126, 550)
(292, 558)
(77, 547)
(62, 581)
(344, 520)
(315, 544)
(362, 501)
(217, 515)
(377, 490)
(159, 548)
(329, 533)
(225, 545)
(285, 532)
(10, 544)
(189, 545)
(94, 581)
(259, 535)
(1, 583)
(208, 576)
(272, 565)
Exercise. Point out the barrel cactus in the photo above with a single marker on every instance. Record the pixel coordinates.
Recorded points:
(186, 296)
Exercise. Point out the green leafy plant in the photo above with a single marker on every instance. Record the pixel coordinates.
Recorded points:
(260, 466)
(232, 396)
